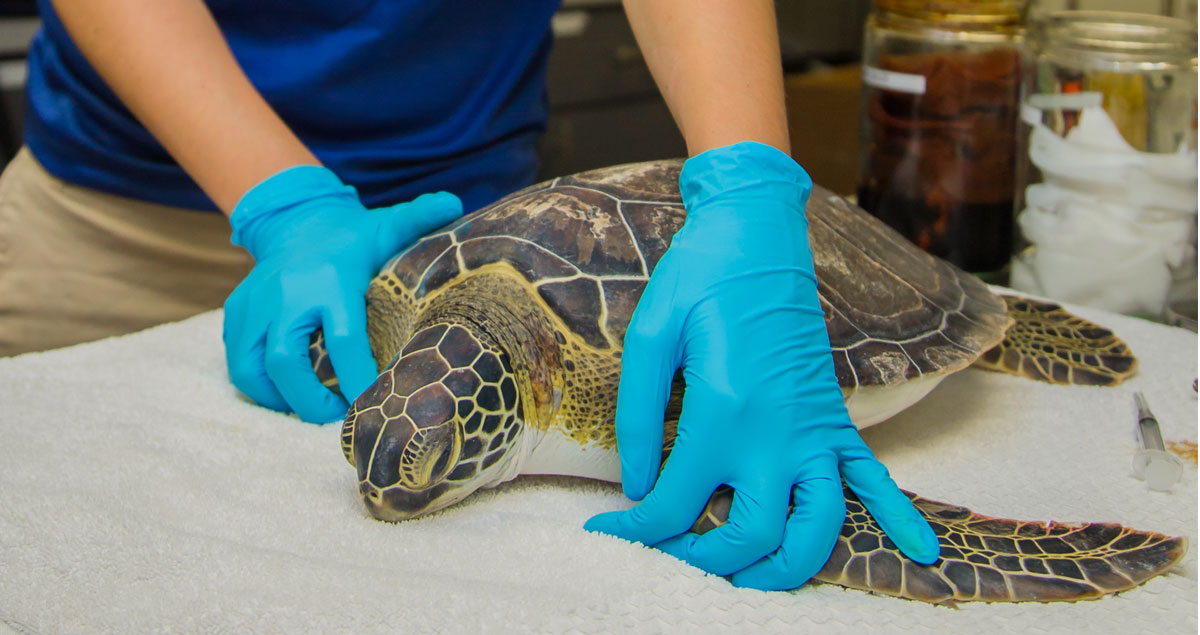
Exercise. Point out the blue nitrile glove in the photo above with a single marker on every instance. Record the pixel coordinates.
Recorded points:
(734, 302)
(317, 249)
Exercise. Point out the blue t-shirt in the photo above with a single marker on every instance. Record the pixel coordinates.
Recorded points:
(398, 97)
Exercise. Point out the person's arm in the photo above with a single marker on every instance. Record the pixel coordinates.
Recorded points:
(717, 64)
(733, 303)
(170, 65)
(315, 246)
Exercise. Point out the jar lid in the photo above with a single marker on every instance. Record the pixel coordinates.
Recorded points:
(1120, 36)
(977, 12)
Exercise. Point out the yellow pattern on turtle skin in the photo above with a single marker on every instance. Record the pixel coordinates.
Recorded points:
(391, 317)
(1049, 344)
(520, 320)
(986, 559)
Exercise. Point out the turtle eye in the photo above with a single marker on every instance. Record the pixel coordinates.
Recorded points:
(442, 465)
(429, 456)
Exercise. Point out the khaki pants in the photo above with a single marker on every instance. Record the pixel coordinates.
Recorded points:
(77, 264)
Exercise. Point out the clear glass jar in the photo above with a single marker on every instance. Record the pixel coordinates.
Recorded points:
(1106, 191)
(941, 84)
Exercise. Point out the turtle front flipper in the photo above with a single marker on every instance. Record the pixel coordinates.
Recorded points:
(1048, 343)
(319, 356)
(987, 559)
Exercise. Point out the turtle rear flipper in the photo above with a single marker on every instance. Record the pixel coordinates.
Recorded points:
(985, 559)
(1048, 343)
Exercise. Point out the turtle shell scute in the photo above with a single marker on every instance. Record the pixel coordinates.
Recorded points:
(585, 244)
(531, 262)
(411, 266)
(583, 227)
(657, 181)
(575, 301)
(895, 310)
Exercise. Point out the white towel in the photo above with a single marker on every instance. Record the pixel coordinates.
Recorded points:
(139, 493)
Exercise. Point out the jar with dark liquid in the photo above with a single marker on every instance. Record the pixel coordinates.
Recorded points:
(941, 85)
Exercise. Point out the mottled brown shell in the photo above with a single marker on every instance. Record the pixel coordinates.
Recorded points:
(587, 242)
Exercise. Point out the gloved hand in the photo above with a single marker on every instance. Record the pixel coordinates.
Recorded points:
(734, 302)
(317, 249)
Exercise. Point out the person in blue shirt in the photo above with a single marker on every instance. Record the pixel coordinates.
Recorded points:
(334, 134)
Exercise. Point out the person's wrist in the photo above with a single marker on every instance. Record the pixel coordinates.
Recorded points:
(279, 193)
(743, 165)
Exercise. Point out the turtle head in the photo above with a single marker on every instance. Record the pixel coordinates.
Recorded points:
(442, 421)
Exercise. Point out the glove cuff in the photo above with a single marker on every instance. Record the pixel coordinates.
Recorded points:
(739, 166)
(280, 192)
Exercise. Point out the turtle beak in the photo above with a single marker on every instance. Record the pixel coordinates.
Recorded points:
(395, 504)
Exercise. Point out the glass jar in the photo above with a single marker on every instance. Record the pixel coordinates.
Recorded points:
(941, 82)
(1106, 192)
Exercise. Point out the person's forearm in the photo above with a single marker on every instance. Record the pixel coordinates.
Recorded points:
(170, 65)
(717, 65)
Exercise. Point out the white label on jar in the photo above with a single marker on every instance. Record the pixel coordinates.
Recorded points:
(891, 80)
(1066, 101)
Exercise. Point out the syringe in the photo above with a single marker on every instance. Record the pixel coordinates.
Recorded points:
(1152, 463)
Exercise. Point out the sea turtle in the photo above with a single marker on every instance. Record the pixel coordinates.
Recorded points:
(499, 340)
